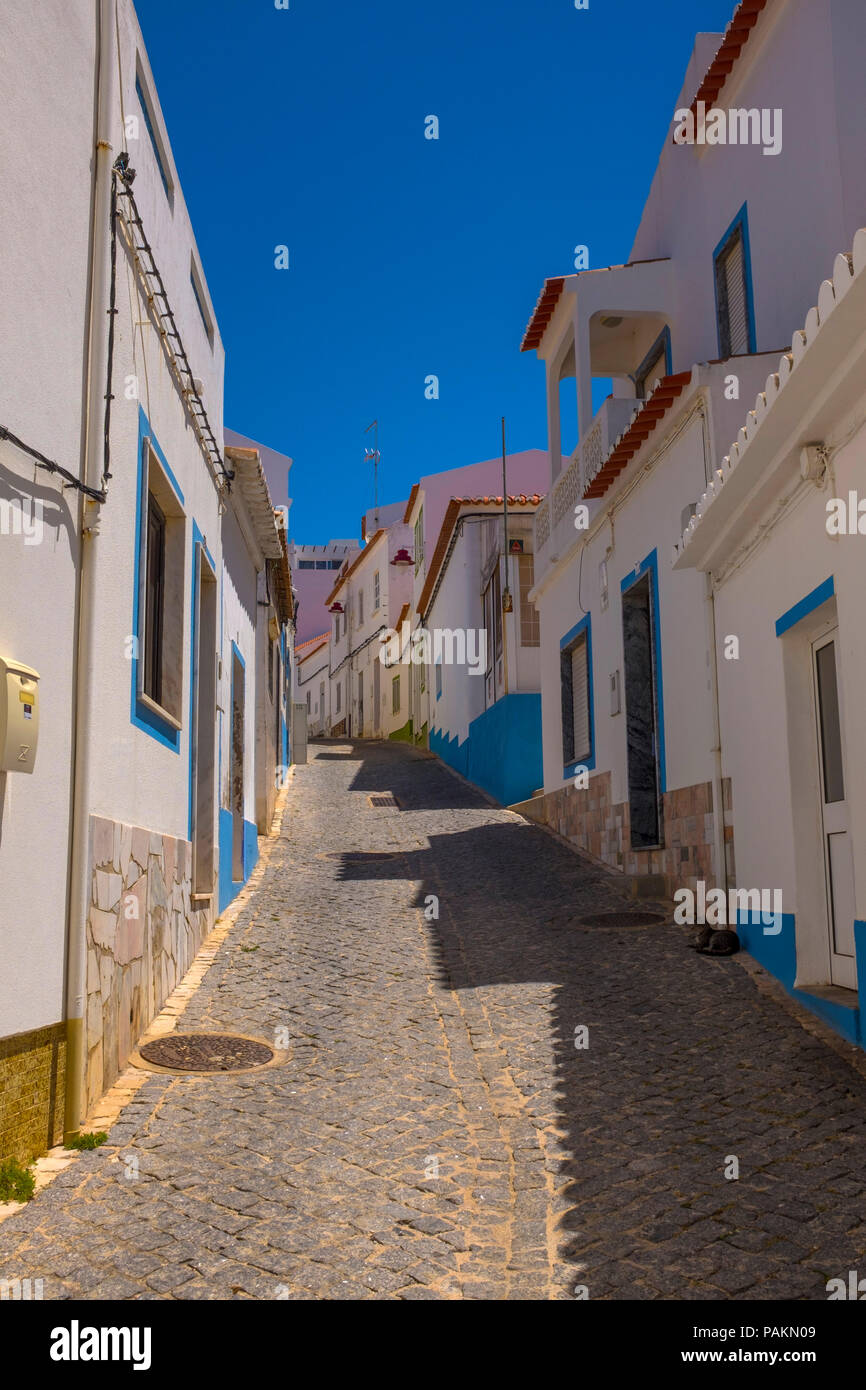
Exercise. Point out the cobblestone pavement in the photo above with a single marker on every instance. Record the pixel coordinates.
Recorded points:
(435, 1131)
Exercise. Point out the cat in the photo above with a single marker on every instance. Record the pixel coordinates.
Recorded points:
(715, 941)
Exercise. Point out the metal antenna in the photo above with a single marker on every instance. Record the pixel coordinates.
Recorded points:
(375, 456)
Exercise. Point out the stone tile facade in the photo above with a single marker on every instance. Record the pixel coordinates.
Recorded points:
(593, 822)
(143, 933)
(32, 1081)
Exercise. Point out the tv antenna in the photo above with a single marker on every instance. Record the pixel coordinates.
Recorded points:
(373, 455)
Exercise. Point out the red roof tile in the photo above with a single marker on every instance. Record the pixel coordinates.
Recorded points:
(641, 427)
(547, 302)
(736, 37)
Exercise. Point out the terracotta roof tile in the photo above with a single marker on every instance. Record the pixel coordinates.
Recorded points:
(736, 37)
(452, 513)
(354, 565)
(656, 407)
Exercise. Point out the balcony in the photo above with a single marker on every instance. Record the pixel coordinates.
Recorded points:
(554, 519)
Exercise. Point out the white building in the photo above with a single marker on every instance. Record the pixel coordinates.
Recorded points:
(313, 683)
(482, 641)
(138, 558)
(370, 598)
(685, 332)
(780, 535)
(429, 501)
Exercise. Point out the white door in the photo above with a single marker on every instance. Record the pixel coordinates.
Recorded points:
(838, 856)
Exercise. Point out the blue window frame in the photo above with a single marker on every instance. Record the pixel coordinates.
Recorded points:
(650, 566)
(735, 301)
(148, 121)
(205, 318)
(575, 654)
(661, 346)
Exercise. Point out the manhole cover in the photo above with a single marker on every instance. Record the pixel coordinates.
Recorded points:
(384, 799)
(622, 919)
(206, 1052)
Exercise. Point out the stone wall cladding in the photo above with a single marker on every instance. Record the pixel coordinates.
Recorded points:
(143, 933)
(590, 819)
(32, 1082)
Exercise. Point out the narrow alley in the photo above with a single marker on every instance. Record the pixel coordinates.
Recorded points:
(493, 1102)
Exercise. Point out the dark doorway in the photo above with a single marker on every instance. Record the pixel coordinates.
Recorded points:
(641, 714)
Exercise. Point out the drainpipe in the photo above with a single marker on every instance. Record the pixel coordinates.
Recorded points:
(97, 371)
(718, 802)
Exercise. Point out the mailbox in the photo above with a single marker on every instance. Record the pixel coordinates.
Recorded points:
(19, 716)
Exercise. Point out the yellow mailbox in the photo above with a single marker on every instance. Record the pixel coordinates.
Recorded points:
(19, 716)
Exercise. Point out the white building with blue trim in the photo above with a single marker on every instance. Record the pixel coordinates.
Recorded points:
(153, 644)
(675, 716)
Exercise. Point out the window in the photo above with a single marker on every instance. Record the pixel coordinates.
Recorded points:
(655, 365)
(321, 704)
(376, 592)
(361, 608)
(493, 615)
(438, 678)
(306, 564)
(321, 564)
(419, 540)
(338, 697)
(395, 695)
(530, 629)
(733, 291)
(334, 564)
(576, 687)
(308, 702)
(199, 294)
(156, 142)
(161, 566)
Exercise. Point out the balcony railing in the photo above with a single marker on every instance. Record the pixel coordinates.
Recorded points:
(554, 519)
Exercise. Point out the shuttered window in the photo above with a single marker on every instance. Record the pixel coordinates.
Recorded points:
(580, 699)
(732, 294)
(576, 684)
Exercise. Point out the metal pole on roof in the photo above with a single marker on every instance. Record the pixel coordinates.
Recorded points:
(507, 595)
(374, 455)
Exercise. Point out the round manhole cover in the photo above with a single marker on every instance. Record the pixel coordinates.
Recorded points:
(206, 1052)
(622, 919)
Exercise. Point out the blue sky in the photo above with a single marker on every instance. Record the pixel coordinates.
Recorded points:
(408, 257)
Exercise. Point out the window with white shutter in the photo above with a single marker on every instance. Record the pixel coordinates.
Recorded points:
(732, 295)
(576, 683)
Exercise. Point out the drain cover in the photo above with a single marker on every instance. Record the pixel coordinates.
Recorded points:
(206, 1052)
(384, 799)
(622, 919)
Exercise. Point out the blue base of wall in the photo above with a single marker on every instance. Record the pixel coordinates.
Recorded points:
(502, 753)
(778, 955)
(229, 887)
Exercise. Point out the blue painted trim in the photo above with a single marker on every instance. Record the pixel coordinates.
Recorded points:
(148, 122)
(663, 337)
(650, 565)
(776, 950)
(585, 625)
(147, 720)
(740, 223)
(144, 429)
(229, 887)
(806, 606)
(198, 542)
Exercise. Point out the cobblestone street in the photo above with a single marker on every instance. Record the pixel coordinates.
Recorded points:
(435, 1132)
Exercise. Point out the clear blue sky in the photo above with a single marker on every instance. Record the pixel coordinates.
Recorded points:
(409, 257)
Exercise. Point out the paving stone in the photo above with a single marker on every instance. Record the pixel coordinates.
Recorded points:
(434, 1111)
